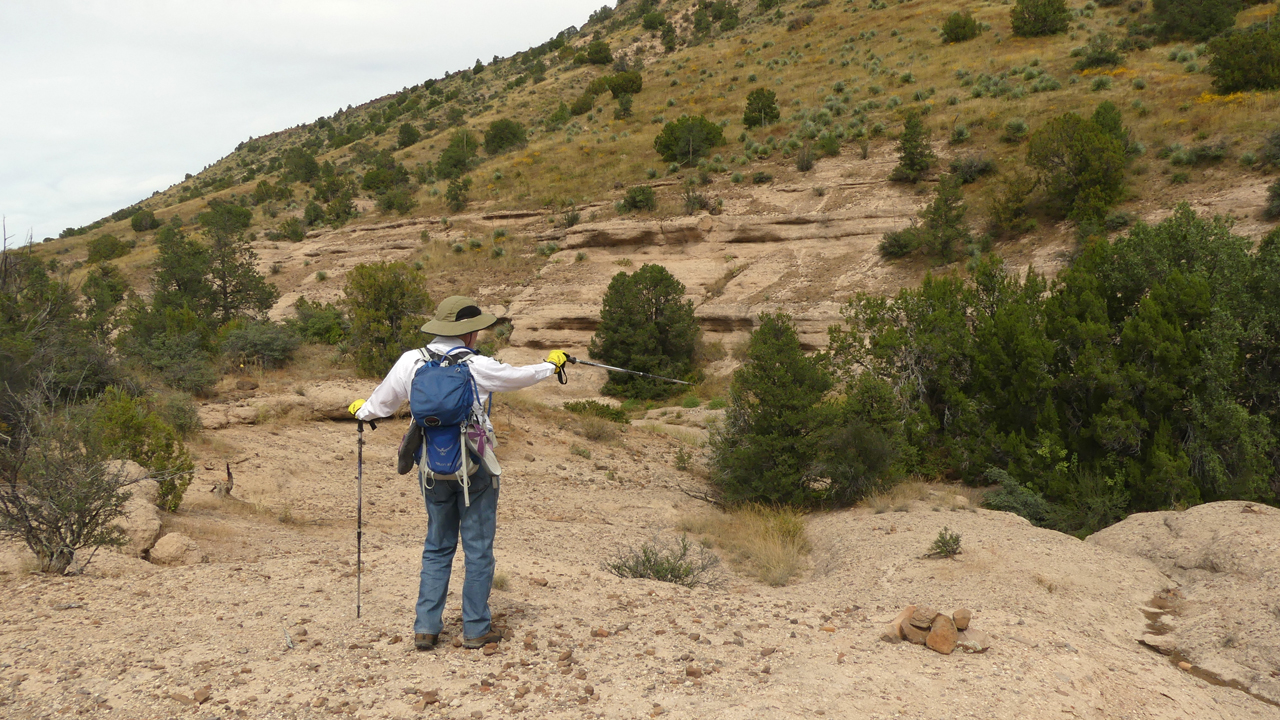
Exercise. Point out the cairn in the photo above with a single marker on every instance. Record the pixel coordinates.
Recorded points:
(922, 625)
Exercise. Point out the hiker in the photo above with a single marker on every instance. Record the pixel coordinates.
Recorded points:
(453, 509)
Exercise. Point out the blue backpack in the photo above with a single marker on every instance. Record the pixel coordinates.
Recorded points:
(441, 401)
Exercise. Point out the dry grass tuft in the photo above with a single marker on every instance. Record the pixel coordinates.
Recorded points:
(940, 496)
(598, 429)
(769, 543)
(501, 581)
(1044, 582)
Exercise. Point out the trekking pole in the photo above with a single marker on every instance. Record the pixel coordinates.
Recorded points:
(359, 505)
(576, 361)
(360, 502)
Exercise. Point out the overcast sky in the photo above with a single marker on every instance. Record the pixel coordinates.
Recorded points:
(107, 101)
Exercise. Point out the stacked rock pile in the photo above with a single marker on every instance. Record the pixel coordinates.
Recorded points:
(944, 633)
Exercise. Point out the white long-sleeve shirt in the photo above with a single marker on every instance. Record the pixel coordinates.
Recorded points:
(491, 376)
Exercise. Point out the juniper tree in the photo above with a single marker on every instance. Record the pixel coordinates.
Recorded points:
(768, 446)
(914, 154)
(646, 325)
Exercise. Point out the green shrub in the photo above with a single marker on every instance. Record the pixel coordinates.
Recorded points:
(1037, 18)
(804, 158)
(127, 427)
(959, 27)
(623, 111)
(398, 199)
(144, 220)
(761, 177)
(107, 247)
(62, 493)
(640, 197)
(681, 564)
(762, 108)
(1080, 164)
(687, 139)
(1015, 131)
(653, 21)
(1196, 20)
(1246, 60)
(946, 545)
(583, 105)
(502, 135)
(1008, 216)
(595, 408)
(914, 154)
(645, 325)
(971, 167)
(313, 214)
(455, 160)
(407, 136)
(455, 194)
(386, 303)
(900, 243)
(767, 449)
(266, 342)
(1272, 209)
(598, 53)
(1101, 51)
(625, 83)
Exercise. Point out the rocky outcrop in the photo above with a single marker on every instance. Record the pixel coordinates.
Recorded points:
(1222, 616)
(731, 229)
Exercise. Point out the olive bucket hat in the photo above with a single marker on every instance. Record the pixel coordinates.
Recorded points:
(456, 316)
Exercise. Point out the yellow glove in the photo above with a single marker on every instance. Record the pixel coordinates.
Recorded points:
(354, 407)
(557, 358)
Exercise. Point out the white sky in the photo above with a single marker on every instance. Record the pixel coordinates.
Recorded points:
(107, 101)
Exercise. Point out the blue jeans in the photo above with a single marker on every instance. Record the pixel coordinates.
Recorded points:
(448, 517)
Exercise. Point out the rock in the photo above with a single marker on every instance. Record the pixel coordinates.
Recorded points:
(942, 636)
(923, 617)
(961, 618)
(915, 634)
(182, 698)
(893, 632)
(246, 384)
(1184, 665)
(767, 651)
(693, 671)
(203, 694)
(141, 521)
(973, 641)
(430, 697)
(177, 549)
(541, 582)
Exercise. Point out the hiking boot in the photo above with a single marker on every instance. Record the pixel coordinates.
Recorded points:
(425, 641)
(476, 643)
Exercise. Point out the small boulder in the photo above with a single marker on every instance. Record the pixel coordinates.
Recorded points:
(893, 631)
(962, 618)
(915, 634)
(923, 617)
(973, 641)
(245, 384)
(141, 520)
(177, 549)
(942, 636)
